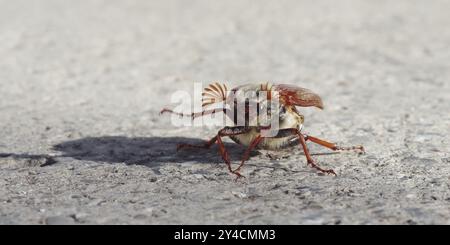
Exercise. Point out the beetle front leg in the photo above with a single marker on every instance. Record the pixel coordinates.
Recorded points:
(206, 145)
(294, 131)
(229, 131)
(252, 145)
(309, 158)
(333, 146)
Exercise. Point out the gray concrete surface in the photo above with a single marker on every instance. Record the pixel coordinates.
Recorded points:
(82, 82)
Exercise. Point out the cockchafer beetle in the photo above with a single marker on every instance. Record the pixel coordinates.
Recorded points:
(288, 130)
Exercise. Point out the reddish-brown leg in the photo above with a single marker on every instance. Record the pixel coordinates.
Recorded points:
(309, 158)
(224, 154)
(293, 131)
(252, 145)
(195, 114)
(333, 146)
(227, 131)
(206, 145)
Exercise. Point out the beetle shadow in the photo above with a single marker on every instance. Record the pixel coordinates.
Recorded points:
(147, 151)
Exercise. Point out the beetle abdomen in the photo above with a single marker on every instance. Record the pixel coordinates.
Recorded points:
(266, 143)
(246, 138)
(278, 143)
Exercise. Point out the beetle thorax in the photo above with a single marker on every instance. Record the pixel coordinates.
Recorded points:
(290, 118)
(261, 97)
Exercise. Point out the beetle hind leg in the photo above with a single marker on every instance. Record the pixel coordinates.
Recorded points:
(333, 146)
(294, 131)
(227, 131)
(194, 114)
(206, 145)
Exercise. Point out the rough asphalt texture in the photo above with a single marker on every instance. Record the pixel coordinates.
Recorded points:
(82, 82)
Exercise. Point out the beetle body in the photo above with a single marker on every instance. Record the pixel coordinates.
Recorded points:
(249, 122)
(288, 116)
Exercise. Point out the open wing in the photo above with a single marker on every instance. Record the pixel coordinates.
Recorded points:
(214, 93)
(294, 95)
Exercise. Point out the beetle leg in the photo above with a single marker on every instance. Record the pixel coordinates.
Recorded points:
(309, 158)
(224, 153)
(195, 114)
(206, 145)
(252, 145)
(222, 150)
(228, 131)
(333, 146)
(294, 131)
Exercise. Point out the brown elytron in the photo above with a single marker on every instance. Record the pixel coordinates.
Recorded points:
(288, 132)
